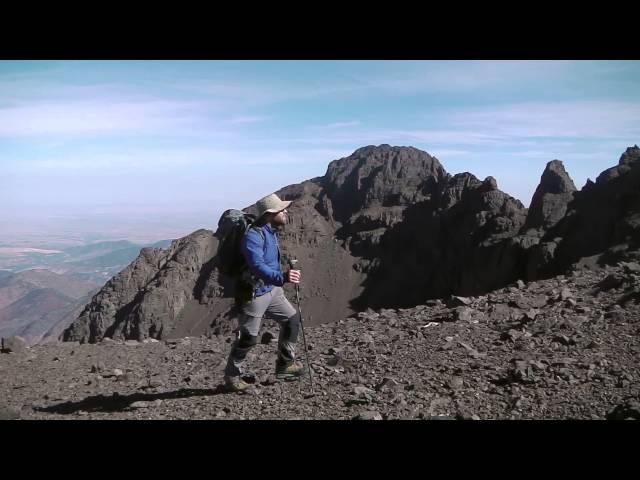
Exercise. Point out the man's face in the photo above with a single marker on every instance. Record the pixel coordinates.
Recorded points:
(280, 217)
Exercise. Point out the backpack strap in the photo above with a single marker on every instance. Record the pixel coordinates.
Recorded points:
(248, 276)
(261, 232)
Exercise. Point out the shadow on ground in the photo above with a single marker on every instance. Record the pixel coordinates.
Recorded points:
(116, 402)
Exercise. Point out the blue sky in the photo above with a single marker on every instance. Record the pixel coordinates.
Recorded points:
(180, 141)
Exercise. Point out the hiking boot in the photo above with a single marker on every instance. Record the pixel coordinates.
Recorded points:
(286, 371)
(235, 384)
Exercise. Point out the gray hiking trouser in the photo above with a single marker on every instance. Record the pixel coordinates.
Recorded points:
(275, 305)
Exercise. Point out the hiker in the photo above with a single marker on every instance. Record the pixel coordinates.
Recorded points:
(265, 295)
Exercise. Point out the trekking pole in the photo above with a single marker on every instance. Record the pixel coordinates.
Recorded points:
(292, 264)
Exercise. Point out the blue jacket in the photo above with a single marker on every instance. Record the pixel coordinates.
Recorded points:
(263, 258)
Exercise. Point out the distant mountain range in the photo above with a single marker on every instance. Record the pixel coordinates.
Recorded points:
(96, 262)
(41, 291)
(34, 303)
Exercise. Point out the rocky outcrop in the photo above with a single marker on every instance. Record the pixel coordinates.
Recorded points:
(550, 200)
(628, 160)
(449, 243)
(380, 179)
(147, 297)
(603, 215)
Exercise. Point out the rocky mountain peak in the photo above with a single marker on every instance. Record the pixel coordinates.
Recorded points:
(555, 179)
(628, 161)
(380, 176)
(630, 156)
(550, 200)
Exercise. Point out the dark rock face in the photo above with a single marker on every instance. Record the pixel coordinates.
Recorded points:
(146, 298)
(601, 216)
(549, 203)
(385, 227)
(381, 180)
(451, 243)
(628, 160)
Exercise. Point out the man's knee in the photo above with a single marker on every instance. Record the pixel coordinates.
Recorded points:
(291, 328)
(247, 340)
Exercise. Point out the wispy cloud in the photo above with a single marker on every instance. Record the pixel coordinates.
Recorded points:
(124, 162)
(402, 78)
(35, 89)
(208, 161)
(241, 93)
(249, 119)
(87, 117)
(448, 153)
(554, 120)
(531, 125)
(352, 123)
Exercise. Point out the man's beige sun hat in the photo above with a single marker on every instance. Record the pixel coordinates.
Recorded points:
(271, 204)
